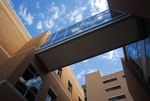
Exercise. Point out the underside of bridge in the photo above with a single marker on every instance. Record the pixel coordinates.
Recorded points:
(109, 36)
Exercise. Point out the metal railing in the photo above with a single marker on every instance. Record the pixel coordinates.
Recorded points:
(81, 27)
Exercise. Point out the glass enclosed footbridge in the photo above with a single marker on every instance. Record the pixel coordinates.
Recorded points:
(98, 34)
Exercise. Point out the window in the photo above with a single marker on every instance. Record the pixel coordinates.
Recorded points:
(29, 83)
(85, 98)
(123, 76)
(147, 48)
(58, 72)
(110, 80)
(80, 99)
(69, 87)
(51, 95)
(113, 88)
(135, 57)
(117, 98)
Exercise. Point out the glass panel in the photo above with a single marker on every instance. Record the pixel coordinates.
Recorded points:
(21, 87)
(72, 30)
(117, 98)
(50, 40)
(69, 87)
(48, 98)
(113, 88)
(39, 78)
(102, 18)
(30, 67)
(147, 40)
(27, 77)
(140, 59)
(138, 46)
(30, 96)
(134, 45)
(35, 84)
(110, 80)
(134, 54)
(84, 25)
(59, 36)
(147, 48)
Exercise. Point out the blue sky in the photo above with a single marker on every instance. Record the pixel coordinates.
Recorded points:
(41, 15)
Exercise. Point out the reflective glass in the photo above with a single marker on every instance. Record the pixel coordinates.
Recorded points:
(138, 46)
(59, 36)
(113, 88)
(117, 98)
(128, 50)
(50, 40)
(140, 59)
(110, 80)
(30, 96)
(83, 26)
(21, 87)
(134, 45)
(147, 40)
(134, 53)
(48, 98)
(72, 31)
(36, 82)
(27, 77)
(147, 48)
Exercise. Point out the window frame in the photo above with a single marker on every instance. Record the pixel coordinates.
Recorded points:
(109, 80)
(70, 87)
(111, 98)
(28, 88)
(113, 88)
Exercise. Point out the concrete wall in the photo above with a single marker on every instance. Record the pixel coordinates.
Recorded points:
(17, 64)
(134, 7)
(13, 34)
(17, 50)
(60, 85)
(96, 89)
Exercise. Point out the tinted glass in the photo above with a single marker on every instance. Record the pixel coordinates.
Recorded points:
(117, 98)
(113, 88)
(110, 80)
(21, 87)
(30, 96)
(147, 48)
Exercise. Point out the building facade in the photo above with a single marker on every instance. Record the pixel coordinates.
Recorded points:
(106, 88)
(136, 67)
(22, 75)
(136, 62)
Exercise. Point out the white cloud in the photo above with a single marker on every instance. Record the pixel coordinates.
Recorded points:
(63, 9)
(56, 12)
(78, 1)
(53, 3)
(91, 71)
(112, 55)
(37, 4)
(81, 74)
(98, 6)
(102, 74)
(26, 16)
(39, 25)
(49, 23)
(10, 2)
(41, 15)
(73, 67)
(85, 61)
(76, 15)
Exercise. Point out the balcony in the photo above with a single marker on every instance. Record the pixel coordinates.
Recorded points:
(93, 36)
